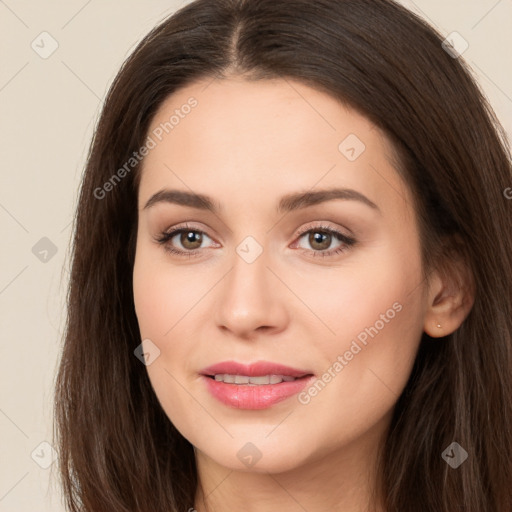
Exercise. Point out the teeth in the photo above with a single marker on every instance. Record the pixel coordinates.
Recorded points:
(275, 379)
(252, 381)
(263, 379)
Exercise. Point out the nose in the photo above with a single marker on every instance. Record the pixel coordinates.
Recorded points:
(251, 300)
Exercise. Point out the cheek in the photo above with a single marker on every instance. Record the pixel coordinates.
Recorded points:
(370, 297)
(162, 300)
(375, 312)
(375, 342)
(166, 304)
(162, 295)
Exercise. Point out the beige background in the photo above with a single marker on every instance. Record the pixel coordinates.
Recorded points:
(48, 110)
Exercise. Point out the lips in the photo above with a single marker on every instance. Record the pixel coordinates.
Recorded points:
(257, 369)
(256, 386)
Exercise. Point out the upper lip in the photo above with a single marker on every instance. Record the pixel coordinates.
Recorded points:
(256, 369)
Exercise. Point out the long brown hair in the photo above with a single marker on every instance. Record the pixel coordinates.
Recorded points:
(118, 451)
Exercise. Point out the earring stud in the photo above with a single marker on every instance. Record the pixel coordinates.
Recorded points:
(438, 325)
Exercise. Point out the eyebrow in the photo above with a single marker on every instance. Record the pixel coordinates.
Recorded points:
(288, 203)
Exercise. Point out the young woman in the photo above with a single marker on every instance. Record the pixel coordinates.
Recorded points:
(291, 275)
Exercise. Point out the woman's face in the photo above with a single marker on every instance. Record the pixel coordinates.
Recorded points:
(260, 281)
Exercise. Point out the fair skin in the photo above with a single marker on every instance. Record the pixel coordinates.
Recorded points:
(246, 145)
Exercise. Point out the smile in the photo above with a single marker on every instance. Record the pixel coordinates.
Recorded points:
(256, 386)
(252, 381)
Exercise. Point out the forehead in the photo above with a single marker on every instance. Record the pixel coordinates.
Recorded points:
(240, 140)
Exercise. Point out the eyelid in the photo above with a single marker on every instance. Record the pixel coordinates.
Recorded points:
(172, 232)
(322, 226)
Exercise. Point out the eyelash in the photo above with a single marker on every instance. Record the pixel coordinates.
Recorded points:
(165, 237)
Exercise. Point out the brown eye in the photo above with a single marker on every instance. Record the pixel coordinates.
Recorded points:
(319, 240)
(324, 241)
(191, 239)
(183, 241)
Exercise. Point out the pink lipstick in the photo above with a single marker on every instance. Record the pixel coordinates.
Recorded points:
(255, 386)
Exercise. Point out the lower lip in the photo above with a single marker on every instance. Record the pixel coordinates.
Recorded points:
(241, 396)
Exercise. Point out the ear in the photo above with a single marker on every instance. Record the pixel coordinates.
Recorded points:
(450, 297)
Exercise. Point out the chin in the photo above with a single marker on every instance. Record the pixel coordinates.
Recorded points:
(255, 454)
